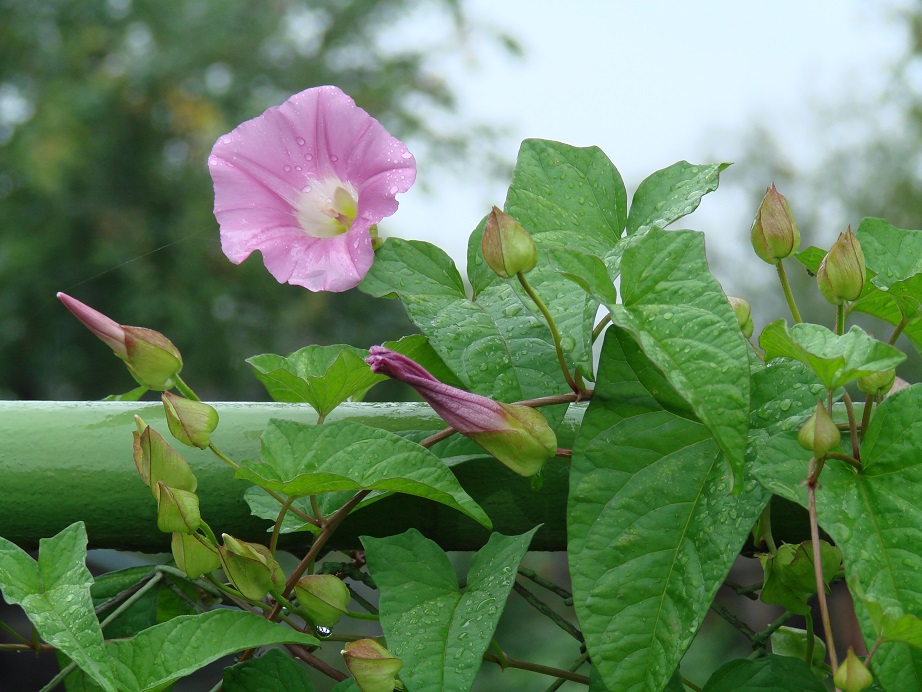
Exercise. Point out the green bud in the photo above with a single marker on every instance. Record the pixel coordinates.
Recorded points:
(177, 510)
(373, 667)
(251, 568)
(877, 384)
(190, 422)
(323, 597)
(842, 272)
(743, 311)
(152, 359)
(192, 556)
(852, 675)
(819, 434)
(507, 247)
(525, 444)
(774, 232)
(156, 461)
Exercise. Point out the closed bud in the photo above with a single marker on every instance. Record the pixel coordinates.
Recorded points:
(842, 272)
(507, 247)
(192, 556)
(743, 311)
(852, 675)
(177, 510)
(251, 568)
(156, 461)
(324, 597)
(774, 232)
(524, 444)
(819, 434)
(373, 667)
(190, 422)
(878, 383)
(152, 359)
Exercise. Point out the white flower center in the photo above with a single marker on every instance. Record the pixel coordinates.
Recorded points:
(326, 208)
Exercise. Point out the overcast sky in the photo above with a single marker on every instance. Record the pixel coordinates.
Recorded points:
(651, 83)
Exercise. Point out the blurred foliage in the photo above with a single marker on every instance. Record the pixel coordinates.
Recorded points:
(107, 113)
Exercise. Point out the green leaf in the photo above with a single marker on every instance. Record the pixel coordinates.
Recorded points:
(157, 657)
(768, 674)
(647, 552)
(892, 253)
(131, 395)
(791, 641)
(439, 632)
(682, 320)
(271, 672)
(587, 271)
(141, 615)
(54, 591)
(835, 359)
(789, 574)
(301, 460)
(495, 345)
(322, 376)
(671, 193)
(874, 517)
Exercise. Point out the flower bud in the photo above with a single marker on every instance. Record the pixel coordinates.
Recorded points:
(192, 556)
(177, 510)
(774, 232)
(324, 597)
(251, 568)
(842, 272)
(156, 461)
(878, 383)
(152, 359)
(516, 435)
(507, 247)
(190, 422)
(373, 667)
(852, 675)
(819, 434)
(743, 311)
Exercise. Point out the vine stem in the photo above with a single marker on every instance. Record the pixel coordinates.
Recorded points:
(555, 335)
(185, 389)
(600, 327)
(866, 416)
(840, 319)
(510, 662)
(897, 331)
(788, 295)
(852, 425)
(274, 541)
(818, 573)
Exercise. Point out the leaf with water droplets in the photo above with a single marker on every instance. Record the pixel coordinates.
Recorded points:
(874, 517)
(54, 591)
(652, 528)
(271, 672)
(768, 674)
(439, 632)
(670, 194)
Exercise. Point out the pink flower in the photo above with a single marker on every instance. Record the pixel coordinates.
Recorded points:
(517, 435)
(304, 183)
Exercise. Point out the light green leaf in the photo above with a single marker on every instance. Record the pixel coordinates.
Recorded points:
(647, 551)
(768, 674)
(671, 193)
(587, 271)
(439, 632)
(682, 320)
(791, 641)
(835, 359)
(54, 591)
(892, 253)
(874, 517)
(322, 376)
(271, 672)
(301, 460)
(157, 657)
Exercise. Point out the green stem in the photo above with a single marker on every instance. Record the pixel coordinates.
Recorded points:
(762, 637)
(274, 541)
(811, 642)
(15, 634)
(840, 319)
(765, 525)
(361, 616)
(818, 573)
(877, 643)
(898, 330)
(844, 457)
(852, 425)
(555, 335)
(575, 666)
(544, 583)
(600, 327)
(788, 296)
(690, 685)
(185, 389)
(743, 628)
(545, 610)
(538, 668)
(866, 416)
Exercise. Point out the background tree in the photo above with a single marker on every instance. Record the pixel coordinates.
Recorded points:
(107, 113)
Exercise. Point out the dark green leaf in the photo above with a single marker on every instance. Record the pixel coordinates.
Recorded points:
(55, 594)
(301, 460)
(141, 615)
(671, 193)
(653, 530)
(272, 672)
(769, 674)
(791, 641)
(587, 271)
(439, 632)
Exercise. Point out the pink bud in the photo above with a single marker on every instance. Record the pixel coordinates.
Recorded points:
(107, 330)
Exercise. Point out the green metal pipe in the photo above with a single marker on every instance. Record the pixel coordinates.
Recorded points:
(61, 462)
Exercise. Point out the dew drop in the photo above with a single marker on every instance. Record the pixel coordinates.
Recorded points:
(212, 160)
(334, 159)
(298, 168)
(667, 315)
(323, 631)
(306, 188)
(406, 155)
(308, 157)
(393, 190)
(300, 141)
(286, 168)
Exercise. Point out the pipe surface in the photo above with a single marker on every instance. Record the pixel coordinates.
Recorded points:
(61, 462)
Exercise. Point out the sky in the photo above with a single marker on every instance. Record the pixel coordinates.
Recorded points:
(652, 83)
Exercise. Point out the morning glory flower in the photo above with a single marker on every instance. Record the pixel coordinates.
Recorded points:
(304, 183)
